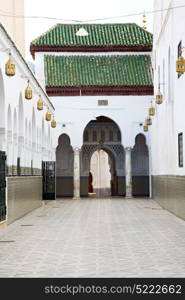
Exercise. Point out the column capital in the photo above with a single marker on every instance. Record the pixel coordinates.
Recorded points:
(128, 148)
(76, 150)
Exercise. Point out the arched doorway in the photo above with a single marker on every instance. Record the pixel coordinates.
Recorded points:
(103, 134)
(102, 179)
(2, 113)
(64, 167)
(140, 167)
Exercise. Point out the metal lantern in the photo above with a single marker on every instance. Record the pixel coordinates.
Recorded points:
(10, 67)
(145, 127)
(180, 65)
(101, 141)
(53, 123)
(28, 92)
(151, 111)
(159, 98)
(148, 121)
(144, 21)
(48, 116)
(40, 104)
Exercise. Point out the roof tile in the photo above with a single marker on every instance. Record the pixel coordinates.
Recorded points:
(123, 70)
(127, 34)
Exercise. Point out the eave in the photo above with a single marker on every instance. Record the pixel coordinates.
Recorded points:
(136, 48)
(100, 90)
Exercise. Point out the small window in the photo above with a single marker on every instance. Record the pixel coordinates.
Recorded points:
(179, 53)
(102, 102)
(180, 149)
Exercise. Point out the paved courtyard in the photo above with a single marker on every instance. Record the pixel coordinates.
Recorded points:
(94, 238)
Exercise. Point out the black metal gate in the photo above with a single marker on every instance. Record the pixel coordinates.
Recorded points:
(49, 182)
(2, 186)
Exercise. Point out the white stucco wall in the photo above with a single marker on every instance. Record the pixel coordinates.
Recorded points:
(169, 120)
(23, 130)
(76, 112)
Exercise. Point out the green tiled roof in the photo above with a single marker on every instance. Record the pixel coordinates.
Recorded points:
(98, 35)
(125, 70)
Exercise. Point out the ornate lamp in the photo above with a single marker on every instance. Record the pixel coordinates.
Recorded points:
(28, 92)
(10, 67)
(53, 123)
(144, 21)
(145, 127)
(148, 121)
(101, 141)
(159, 97)
(180, 65)
(40, 104)
(48, 116)
(151, 110)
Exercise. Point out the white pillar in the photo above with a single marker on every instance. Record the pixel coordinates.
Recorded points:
(2, 139)
(76, 178)
(128, 172)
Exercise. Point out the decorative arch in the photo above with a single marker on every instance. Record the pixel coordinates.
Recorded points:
(33, 126)
(92, 135)
(2, 112)
(20, 117)
(29, 147)
(15, 142)
(15, 127)
(9, 141)
(64, 167)
(140, 167)
(103, 134)
(9, 119)
(21, 135)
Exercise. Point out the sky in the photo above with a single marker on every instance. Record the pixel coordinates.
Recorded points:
(82, 10)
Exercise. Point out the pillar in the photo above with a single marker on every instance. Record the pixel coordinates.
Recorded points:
(2, 139)
(76, 174)
(128, 172)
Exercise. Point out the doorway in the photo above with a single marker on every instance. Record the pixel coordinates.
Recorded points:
(101, 175)
(103, 135)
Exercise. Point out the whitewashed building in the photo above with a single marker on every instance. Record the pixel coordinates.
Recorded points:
(99, 78)
(168, 129)
(25, 135)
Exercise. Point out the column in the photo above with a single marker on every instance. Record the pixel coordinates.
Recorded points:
(128, 172)
(76, 174)
(2, 139)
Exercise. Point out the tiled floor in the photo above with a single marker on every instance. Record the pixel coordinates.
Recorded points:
(95, 238)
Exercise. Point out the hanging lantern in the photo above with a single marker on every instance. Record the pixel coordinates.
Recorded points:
(148, 121)
(101, 141)
(180, 65)
(144, 21)
(10, 67)
(48, 116)
(40, 104)
(151, 111)
(53, 123)
(145, 127)
(28, 92)
(159, 98)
